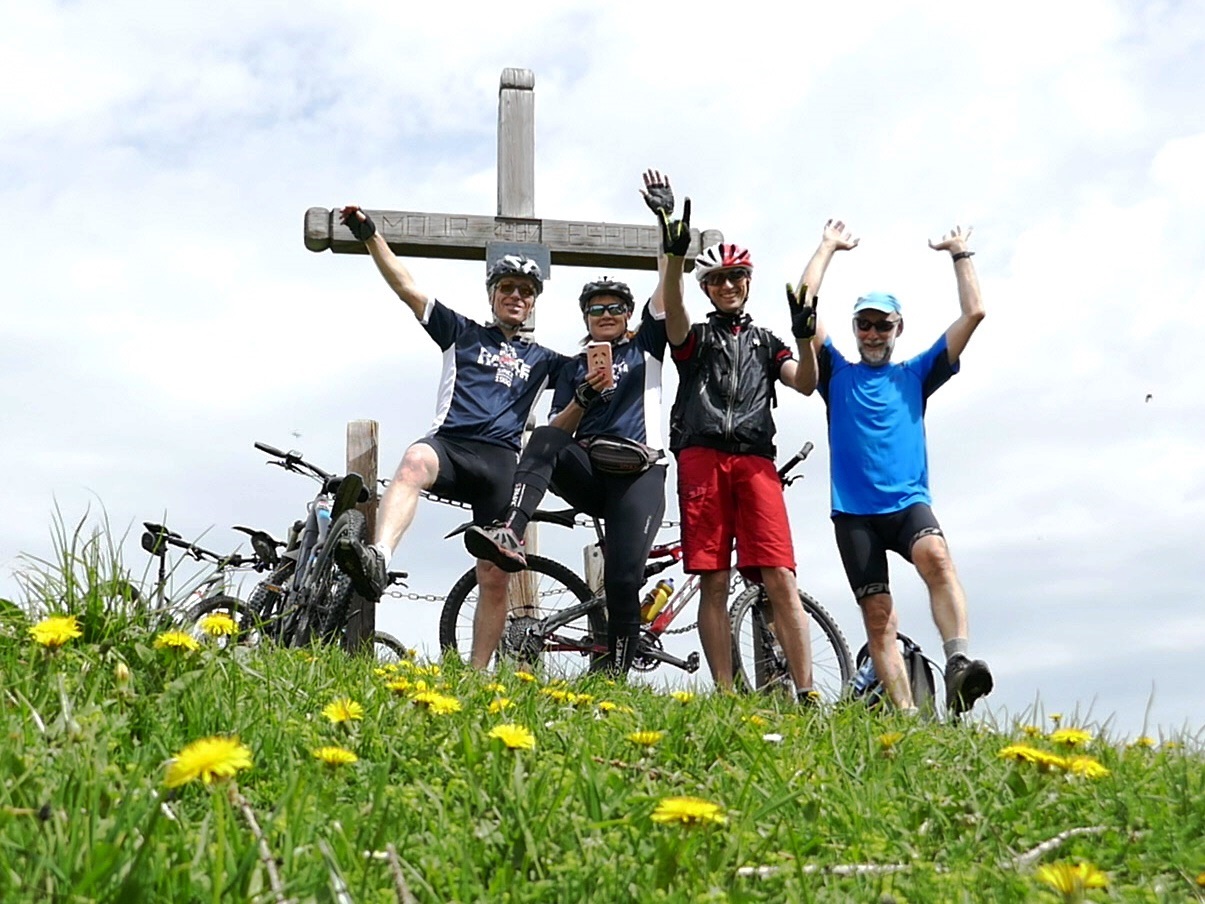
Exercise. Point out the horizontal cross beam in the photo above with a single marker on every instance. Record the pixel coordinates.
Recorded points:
(459, 237)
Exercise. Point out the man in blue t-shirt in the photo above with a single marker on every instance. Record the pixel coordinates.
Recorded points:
(880, 469)
(492, 375)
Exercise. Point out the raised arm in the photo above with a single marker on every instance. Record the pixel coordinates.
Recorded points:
(671, 261)
(834, 238)
(969, 301)
(390, 267)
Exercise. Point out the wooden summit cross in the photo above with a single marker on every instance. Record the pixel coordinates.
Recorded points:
(515, 229)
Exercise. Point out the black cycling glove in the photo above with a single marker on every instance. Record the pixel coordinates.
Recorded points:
(363, 229)
(659, 196)
(675, 234)
(587, 396)
(803, 316)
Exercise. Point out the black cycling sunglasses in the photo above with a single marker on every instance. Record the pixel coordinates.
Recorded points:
(734, 275)
(615, 308)
(879, 326)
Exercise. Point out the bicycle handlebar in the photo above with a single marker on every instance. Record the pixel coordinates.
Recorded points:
(795, 459)
(292, 461)
(157, 534)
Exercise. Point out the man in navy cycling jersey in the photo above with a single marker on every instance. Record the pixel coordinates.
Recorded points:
(879, 463)
(492, 375)
(628, 496)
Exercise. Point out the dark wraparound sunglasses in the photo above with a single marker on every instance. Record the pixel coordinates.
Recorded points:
(879, 326)
(615, 308)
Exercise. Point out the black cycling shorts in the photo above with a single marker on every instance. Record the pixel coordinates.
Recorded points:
(863, 541)
(479, 474)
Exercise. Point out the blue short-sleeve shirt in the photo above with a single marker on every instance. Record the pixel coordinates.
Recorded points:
(876, 428)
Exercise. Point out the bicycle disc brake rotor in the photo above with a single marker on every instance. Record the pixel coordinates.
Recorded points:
(519, 639)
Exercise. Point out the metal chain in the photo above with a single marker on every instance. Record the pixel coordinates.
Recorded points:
(422, 597)
(680, 630)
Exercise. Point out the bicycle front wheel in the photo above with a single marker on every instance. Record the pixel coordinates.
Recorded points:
(543, 590)
(757, 657)
(388, 648)
(327, 591)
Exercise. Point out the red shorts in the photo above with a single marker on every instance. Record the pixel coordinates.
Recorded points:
(729, 499)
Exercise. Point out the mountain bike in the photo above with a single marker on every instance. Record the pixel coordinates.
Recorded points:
(556, 621)
(212, 590)
(306, 597)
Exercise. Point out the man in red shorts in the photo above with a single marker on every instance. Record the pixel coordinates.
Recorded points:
(722, 432)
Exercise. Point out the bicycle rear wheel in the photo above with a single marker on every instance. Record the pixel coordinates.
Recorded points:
(194, 621)
(757, 657)
(266, 604)
(544, 589)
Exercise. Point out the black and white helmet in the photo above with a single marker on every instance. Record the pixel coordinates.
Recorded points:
(606, 286)
(514, 265)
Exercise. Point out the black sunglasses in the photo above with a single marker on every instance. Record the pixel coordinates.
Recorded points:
(735, 275)
(615, 308)
(879, 326)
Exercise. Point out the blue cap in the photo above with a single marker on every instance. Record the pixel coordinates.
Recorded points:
(878, 301)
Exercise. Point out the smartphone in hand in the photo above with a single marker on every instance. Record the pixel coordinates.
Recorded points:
(598, 357)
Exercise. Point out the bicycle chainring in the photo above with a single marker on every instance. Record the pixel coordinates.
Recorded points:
(642, 662)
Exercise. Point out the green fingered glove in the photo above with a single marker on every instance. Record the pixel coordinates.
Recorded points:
(803, 316)
(675, 234)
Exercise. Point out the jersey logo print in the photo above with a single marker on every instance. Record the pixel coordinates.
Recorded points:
(507, 364)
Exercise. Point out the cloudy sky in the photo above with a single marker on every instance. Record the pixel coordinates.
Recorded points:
(162, 314)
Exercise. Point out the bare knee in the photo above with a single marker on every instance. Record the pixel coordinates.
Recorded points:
(931, 556)
(492, 582)
(879, 616)
(419, 467)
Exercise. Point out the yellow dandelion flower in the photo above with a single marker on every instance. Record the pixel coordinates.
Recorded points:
(607, 706)
(756, 720)
(1020, 753)
(1056, 718)
(436, 703)
(208, 759)
(386, 670)
(690, 811)
(1047, 761)
(55, 631)
(1144, 741)
(496, 706)
(343, 710)
(219, 624)
(1085, 766)
(407, 665)
(432, 669)
(646, 738)
(176, 640)
(1172, 745)
(682, 696)
(399, 685)
(1031, 731)
(525, 676)
(1071, 880)
(889, 739)
(556, 693)
(581, 699)
(1201, 880)
(495, 688)
(515, 737)
(335, 756)
(1071, 737)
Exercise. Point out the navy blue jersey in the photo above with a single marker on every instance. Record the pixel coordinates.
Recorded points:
(634, 411)
(489, 382)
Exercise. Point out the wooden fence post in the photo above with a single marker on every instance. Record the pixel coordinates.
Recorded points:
(362, 453)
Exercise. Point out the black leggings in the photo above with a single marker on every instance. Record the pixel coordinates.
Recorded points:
(631, 509)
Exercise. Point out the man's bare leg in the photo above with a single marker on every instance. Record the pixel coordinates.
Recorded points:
(417, 471)
(882, 623)
(791, 623)
(948, 601)
(715, 630)
(490, 618)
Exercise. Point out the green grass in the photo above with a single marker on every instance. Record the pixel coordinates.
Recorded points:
(935, 816)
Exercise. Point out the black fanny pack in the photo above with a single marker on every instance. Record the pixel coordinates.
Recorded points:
(616, 456)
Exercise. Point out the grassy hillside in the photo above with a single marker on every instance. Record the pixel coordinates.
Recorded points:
(327, 778)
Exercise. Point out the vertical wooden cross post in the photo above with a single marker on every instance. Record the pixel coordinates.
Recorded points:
(608, 247)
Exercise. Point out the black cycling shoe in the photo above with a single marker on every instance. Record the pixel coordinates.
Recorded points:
(497, 544)
(364, 565)
(966, 681)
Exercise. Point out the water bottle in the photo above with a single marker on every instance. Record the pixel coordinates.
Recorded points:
(864, 678)
(655, 600)
(322, 509)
